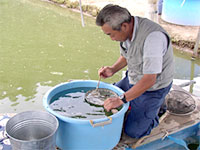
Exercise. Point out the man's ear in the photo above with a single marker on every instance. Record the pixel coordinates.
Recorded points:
(124, 26)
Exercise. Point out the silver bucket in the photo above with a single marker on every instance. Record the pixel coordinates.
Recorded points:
(32, 130)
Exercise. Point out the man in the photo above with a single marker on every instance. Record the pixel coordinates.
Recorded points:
(146, 50)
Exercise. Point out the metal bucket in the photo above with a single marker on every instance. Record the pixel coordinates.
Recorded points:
(32, 130)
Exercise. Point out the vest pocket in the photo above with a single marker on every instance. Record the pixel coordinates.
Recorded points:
(134, 72)
(135, 68)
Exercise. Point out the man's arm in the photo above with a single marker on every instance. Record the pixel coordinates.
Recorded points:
(146, 82)
(108, 71)
(119, 64)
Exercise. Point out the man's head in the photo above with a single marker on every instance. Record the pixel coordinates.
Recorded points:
(115, 21)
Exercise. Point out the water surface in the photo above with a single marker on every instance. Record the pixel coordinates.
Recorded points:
(73, 103)
(42, 45)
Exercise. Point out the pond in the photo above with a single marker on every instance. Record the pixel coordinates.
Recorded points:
(42, 45)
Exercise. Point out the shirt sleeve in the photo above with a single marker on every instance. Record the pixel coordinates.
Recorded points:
(155, 47)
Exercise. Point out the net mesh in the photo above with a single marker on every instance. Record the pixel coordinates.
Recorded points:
(98, 96)
(180, 103)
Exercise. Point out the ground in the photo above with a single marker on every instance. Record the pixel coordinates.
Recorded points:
(183, 37)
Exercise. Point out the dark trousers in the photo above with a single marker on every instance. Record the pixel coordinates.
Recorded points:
(143, 116)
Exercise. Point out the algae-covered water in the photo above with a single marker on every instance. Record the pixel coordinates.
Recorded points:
(42, 45)
(75, 103)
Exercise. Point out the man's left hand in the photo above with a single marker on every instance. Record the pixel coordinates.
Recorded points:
(112, 102)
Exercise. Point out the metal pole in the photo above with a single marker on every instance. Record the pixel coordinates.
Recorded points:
(151, 9)
(82, 20)
(197, 44)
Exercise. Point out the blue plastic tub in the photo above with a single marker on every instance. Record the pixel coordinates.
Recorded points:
(182, 12)
(81, 134)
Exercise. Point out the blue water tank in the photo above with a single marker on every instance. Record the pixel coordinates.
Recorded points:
(182, 12)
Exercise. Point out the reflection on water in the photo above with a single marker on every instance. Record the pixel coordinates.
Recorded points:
(187, 69)
(42, 45)
(25, 103)
(72, 103)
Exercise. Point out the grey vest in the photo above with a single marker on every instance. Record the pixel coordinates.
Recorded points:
(134, 56)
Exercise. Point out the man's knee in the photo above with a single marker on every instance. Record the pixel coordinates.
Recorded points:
(140, 128)
(136, 131)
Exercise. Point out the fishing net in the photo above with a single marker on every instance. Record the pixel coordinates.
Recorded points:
(180, 103)
(98, 96)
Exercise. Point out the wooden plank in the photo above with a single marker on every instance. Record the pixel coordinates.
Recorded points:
(168, 124)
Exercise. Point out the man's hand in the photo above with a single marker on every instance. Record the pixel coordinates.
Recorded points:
(112, 102)
(105, 72)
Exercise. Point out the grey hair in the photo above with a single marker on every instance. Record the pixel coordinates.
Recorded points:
(114, 16)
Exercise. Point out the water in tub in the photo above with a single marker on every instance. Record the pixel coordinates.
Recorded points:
(71, 103)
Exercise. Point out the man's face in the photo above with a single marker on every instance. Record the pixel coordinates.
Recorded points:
(115, 35)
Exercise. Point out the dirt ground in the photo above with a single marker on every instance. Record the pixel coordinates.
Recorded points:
(183, 37)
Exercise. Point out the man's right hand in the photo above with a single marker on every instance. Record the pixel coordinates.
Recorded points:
(105, 72)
